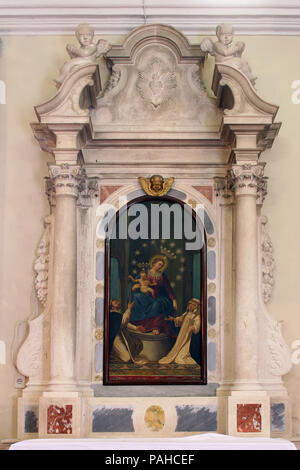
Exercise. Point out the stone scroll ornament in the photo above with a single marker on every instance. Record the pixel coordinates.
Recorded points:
(87, 53)
(156, 185)
(268, 262)
(226, 52)
(41, 264)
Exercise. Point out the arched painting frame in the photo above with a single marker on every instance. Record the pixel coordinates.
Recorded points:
(132, 357)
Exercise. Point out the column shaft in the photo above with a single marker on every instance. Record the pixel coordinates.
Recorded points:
(63, 312)
(246, 180)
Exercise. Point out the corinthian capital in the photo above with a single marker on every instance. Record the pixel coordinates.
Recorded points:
(248, 179)
(65, 179)
(87, 190)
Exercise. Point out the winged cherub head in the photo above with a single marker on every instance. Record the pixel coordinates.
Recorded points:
(156, 183)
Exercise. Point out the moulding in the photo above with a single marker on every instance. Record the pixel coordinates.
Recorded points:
(37, 17)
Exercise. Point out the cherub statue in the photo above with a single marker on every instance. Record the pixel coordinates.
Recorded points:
(143, 283)
(225, 51)
(87, 52)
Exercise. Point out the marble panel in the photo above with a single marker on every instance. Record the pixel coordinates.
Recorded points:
(249, 417)
(99, 358)
(107, 419)
(191, 418)
(59, 419)
(100, 266)
(99, 310)
(211, 313)
(211, 265)
(211, 356)
(278, 417)
(31, 413)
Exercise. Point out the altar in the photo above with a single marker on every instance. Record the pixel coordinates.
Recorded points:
(154, 336)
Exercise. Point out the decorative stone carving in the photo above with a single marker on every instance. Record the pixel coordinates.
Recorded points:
(87, 53)
(33, 355)
(279, 353)
(114, 78)
(41, 265)
(87, 190)
(247, 179)
(65, 179)
(226, 52)
(32, 358)
(156, 185)
(50, 192)
(157, 88)
(274, 351)
(268, 261)
(157, 83)
(223, 188)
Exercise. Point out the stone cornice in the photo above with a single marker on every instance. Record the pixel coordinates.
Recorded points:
(37, 17)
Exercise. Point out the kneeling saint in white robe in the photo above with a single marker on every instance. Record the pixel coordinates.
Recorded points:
(190, 323)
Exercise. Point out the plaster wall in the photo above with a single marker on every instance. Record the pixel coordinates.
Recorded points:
(27, 66)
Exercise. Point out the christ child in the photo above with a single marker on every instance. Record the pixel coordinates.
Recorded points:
(143, 284)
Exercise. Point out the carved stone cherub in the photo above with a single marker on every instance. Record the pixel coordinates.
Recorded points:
(225, 51)
(87, 52)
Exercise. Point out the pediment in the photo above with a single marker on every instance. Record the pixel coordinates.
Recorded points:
(156, 89)
(149, 92)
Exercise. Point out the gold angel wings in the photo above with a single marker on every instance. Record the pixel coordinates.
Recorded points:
(156, 185)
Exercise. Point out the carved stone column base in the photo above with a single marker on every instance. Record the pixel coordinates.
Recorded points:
(61, 386)
(246, 386)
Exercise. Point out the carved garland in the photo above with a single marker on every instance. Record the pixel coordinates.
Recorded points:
(41, 265)
(268, 262)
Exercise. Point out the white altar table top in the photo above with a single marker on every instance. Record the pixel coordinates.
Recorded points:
(209, 441)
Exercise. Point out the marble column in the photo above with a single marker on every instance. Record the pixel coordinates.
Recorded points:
(247, 180)
(65, 179)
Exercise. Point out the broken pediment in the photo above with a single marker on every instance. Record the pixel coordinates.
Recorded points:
(156, 88)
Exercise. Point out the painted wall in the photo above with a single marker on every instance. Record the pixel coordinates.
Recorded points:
(28, 66)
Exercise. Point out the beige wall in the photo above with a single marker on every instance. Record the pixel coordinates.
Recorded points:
(28, 66)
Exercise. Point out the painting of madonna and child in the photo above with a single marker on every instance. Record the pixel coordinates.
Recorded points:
(155, 308)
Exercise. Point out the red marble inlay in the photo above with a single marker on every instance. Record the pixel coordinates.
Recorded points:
(249, 418)
(59, 419)
(206, 191)
(106, 191)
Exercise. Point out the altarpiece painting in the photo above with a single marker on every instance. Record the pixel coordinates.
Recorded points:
(155, 297)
